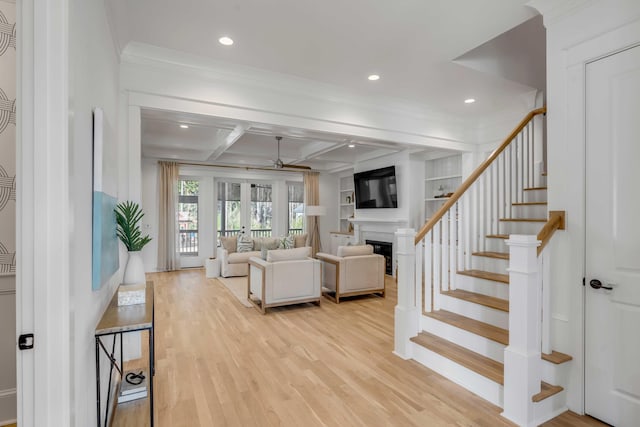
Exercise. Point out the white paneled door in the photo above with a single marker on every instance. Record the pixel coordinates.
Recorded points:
(612, 310)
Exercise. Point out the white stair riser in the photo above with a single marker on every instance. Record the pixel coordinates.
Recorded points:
(549, 408)
(517, 227)
(483, 286)
(556, 374)
(529, 211)
(535, 196)
(466, 378)
(495, 245)
(466, 339)
(494, 265)
(475, 311)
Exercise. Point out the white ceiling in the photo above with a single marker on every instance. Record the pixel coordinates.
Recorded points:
(412, 44)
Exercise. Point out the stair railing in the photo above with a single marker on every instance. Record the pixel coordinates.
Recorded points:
(475, 210)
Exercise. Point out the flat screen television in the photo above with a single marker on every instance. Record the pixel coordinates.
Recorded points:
(376, 188)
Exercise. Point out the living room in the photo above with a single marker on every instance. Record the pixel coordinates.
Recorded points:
(74, 42)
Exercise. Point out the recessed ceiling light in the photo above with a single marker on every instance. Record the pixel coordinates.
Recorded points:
(374, 77)
(184, 126)
(352, 145)
(227, 41)
(469, 101)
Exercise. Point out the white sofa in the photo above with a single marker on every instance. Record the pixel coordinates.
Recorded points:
(234, 263)
(287, 276)
(355, 270)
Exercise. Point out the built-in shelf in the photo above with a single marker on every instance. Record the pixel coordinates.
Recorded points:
(346, 204)
(443, 175)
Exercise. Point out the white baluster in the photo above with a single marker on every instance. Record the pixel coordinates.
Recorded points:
(437, 263)
(428, 277)
(444, 265)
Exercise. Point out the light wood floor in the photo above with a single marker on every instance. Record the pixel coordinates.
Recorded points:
(222, 364)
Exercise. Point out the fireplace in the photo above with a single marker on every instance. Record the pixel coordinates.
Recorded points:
(386, 250)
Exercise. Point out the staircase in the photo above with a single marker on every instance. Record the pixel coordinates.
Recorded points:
(463, 307)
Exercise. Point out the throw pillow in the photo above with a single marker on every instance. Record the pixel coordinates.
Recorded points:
(286, 242)
(300, 240)
(245, 243)
(270, 242)
(346, 251)
(229, 243)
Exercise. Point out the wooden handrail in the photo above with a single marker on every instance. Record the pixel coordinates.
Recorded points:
(555, 222)
(475, 175)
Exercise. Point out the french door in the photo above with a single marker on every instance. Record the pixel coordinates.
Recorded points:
(244, 207)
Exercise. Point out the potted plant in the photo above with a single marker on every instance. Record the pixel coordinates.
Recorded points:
(128, 217)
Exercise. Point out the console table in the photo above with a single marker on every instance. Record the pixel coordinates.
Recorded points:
(117, 321)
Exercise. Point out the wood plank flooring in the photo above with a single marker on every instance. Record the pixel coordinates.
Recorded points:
(222, 364)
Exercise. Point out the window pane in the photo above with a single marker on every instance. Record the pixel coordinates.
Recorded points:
(296, 207)
(228, 218)
(261, 210)
(188, 216)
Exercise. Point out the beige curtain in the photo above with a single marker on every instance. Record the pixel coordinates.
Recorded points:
(312, 197)
(168, 253)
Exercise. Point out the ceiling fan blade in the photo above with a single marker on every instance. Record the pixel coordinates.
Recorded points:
(296, 166)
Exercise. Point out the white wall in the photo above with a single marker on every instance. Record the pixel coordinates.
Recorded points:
(149, 204)
(575, 37)
(93, 81)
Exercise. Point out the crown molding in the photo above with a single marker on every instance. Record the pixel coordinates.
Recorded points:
(555, 10)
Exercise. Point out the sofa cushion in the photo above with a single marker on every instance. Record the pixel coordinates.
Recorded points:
(278, 255)
(245, 243)
(300, 240)
(229, 243)
(346, 251)
(265, 242)
(240, 257)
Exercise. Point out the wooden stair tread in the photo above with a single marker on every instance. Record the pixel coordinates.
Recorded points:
(487, 275)
(547, 390)
(482, 329)
(497, 236)
(523, 219)
(482, 365)
(487, 301)
(535, 188)
(529, 203)
(556, 357)
(498, 255)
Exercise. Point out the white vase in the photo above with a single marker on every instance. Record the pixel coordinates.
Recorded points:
(134, 271)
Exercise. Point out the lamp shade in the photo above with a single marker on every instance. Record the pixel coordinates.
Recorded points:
(315, 210)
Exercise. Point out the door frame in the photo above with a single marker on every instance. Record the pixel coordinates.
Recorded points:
(43, 291)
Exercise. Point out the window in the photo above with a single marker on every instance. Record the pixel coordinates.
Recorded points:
(188, 216)
(295, 200)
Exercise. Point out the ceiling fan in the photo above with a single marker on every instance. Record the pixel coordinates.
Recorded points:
(278, 164)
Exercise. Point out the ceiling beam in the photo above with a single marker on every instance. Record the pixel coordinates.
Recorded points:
(231, 139)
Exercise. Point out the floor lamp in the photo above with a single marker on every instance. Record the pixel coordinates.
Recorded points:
(315, 211)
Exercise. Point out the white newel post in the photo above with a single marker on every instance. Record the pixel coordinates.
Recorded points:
(522, 363)
(406, 313)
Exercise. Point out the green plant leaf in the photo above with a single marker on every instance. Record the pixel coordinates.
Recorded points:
(128, 217)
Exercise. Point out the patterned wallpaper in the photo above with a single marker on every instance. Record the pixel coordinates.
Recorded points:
(7, 138)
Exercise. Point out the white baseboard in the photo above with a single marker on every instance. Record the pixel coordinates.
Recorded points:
(8, 406)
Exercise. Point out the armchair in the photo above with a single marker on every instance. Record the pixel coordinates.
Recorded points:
(355, 270)
(287, 276)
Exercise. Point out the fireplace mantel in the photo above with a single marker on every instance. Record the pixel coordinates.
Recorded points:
(381, 229)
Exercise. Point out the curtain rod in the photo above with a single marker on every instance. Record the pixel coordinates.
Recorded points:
(245, 167)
